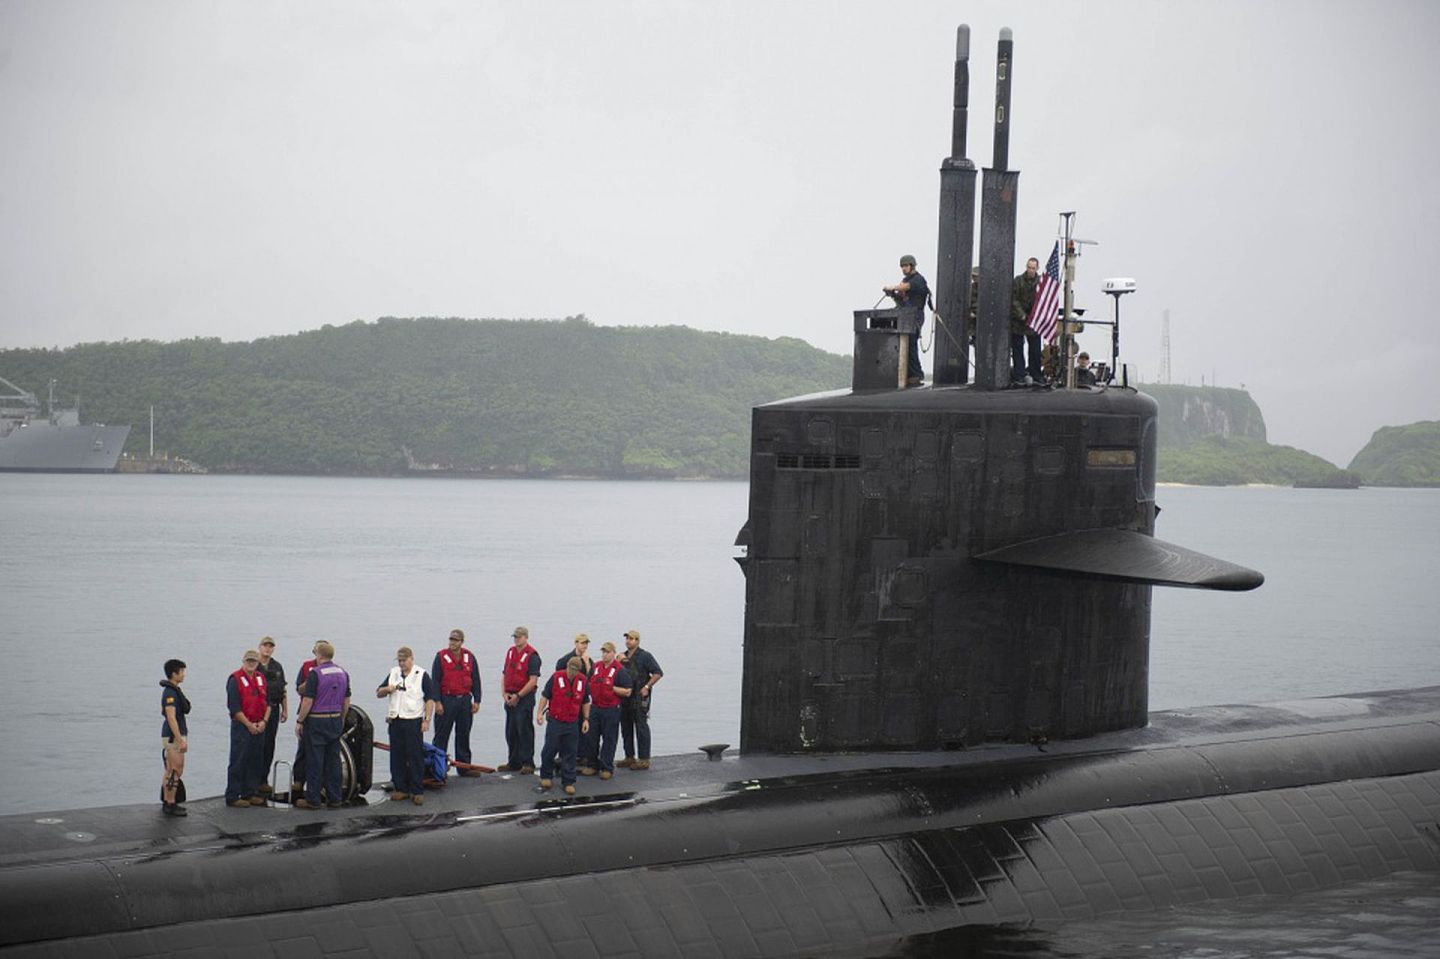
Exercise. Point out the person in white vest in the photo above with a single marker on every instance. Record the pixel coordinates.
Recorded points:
(408, 713)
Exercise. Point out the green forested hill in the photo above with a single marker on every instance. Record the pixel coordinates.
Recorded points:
(1214, 436)
(558, 397)
(1401, 456)
(499, 396)
(1231, 461)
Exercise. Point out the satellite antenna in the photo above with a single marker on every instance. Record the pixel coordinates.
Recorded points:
(1117, 286)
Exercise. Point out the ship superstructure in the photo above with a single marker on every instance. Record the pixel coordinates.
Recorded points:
(53, 440)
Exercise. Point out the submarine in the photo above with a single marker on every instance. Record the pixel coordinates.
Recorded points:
(944, 717)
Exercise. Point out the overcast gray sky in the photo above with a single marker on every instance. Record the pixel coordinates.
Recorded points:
(1267, 172)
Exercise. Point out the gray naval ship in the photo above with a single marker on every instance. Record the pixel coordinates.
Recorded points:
(55, 441)
(945, 734)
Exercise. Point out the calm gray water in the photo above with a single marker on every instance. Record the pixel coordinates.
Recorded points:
(105, 577)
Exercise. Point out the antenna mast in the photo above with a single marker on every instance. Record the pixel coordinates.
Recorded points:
(1165, 349)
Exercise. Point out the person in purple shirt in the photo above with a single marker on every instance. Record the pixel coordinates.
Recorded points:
(320, 723)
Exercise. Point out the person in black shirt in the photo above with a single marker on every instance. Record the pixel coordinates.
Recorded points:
(1022, 300)
(645, 672)
(911, 293)
(174, 707)
(275, 694)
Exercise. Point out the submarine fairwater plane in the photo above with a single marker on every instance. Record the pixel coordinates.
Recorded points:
(944, 718)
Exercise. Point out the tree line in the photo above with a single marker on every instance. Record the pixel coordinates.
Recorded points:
(505, 397)
(553, 398)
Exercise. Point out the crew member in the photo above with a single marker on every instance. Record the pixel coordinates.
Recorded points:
(610, 684)
(1022, 298)
(408, 713)
(645, 672)
(297, 768)
(586, 756)
(279, 708)
(911, 293)
(320, 724)
(459, 676)
(1084, 376)
(520, 677)
(249, 708)
(582, 650)
(174, 706)
(566, 701)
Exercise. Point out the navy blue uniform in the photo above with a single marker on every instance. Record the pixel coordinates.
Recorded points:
(275, 693)
(562, 734)
(586, 756)
(327, 687)
(915, 299)
(245, 773)
(520, 718)
(407, 739)
(170, 695)
(635, 711)
(455, 712)
(597, 749)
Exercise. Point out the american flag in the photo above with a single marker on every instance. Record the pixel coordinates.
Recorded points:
(1044, 315)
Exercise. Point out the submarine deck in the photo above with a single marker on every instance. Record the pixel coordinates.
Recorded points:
(123, 870)
(88, 833)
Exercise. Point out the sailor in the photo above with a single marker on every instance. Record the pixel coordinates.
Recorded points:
(610, 684)
(249, 708)
(1022, 298)
(1084, 376)
(411, 706)
(911, 293)
(566, 702)
(582, 649)
(645, 672)
(297, 768)
(174, 706)
(320, 724)
(279, 708)
(459, 677)
(586, 756)
(520, 677)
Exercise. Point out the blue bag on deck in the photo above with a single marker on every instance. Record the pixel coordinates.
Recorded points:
(437, 766)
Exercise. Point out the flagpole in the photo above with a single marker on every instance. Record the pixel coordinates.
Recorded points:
(1067, 336)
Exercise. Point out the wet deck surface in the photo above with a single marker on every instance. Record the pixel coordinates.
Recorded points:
(93, 833)
(995, 851)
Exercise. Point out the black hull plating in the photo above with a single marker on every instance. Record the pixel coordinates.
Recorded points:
(871, 622)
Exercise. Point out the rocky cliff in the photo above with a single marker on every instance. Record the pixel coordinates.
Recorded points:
(1189, 414)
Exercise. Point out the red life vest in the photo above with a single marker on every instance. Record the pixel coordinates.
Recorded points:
(517, 667)
(305, 668)
(567, 698)
(252, 694)
(455, 673)
(602, 685)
